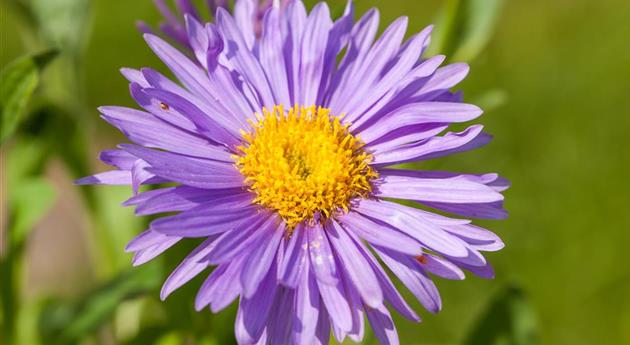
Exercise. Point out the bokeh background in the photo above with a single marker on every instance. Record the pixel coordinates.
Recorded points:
(553, 77)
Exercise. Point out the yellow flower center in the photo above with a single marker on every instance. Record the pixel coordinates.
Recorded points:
(304, 163)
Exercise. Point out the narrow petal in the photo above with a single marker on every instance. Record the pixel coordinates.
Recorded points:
(253, 312)
(221, 287)
(190, 171)
(312, 50)
(419, 113)
(145, 255)
(404, 219)
(435, 147)
(455, 190)
(113, 177)
(358, 269)
(441, 267)
(190, 74)
(383, 325)
(380, 234)
(260, 260)
(189, 268)
(147, 130)
(235, 242)
(295, 258)
(408, 270)
(336, 303)
(241, 57)
(322, 259)
(307, 308)
(200, 222)
(118, 158)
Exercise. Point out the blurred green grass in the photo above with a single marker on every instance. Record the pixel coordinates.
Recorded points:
(561, 137)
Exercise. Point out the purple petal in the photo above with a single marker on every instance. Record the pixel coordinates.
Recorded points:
(253, 312)
(147, 254)
(280, 326)
(189, 268)
(272, 57)
(260, 260)
(134, 76)
(441, 267)
(204, 123)
(312, 50)
(368, 69)
(380, 234)
(120, 159)
(404, 219)
(419, 113)
(182, 198)
(243, 60)
(383, 325)
(307, 308)
(390, 292)
(242, 239)
(295, 258)
(200, 222)
(336, 303)
(447, 190)
(399, 67)
(358, 269)
(448, 144)
(322, 259)
(322, 335)
(145, 129)
(146, 239)
(139, 175)
(408, 270)
(221, 287)
(360, 41)
(443, 79)
(190, 171)
(244, 16)
(191, 75)
(113, 177)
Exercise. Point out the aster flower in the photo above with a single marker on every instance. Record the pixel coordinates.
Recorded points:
(277, 153)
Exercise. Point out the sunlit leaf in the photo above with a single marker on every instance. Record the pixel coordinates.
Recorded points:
(68, 323)
(30, 200)
(464, 27)
(18, 82)
(508, 320)
(63, 22)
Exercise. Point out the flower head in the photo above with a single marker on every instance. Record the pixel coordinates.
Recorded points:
(276, 152)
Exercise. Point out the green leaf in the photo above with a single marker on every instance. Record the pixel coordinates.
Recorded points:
(68, 323)
(508, 320)
(54, 19)
(18, 82)
(30, 200)
(464, 27)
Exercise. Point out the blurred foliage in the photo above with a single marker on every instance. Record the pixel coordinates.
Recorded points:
(551, 76)
(464, 27)
(68, 323)
(508, 319)
(19, 81)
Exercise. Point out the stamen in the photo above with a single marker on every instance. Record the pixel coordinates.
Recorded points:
(303, 163)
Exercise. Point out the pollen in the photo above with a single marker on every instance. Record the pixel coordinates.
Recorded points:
(304, 164)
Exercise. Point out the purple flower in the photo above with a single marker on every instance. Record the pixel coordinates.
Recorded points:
(276, 153)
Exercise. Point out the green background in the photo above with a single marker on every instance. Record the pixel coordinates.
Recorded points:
(555, 80)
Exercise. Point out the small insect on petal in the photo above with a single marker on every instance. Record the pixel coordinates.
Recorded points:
(422, 259)
(164, 106)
